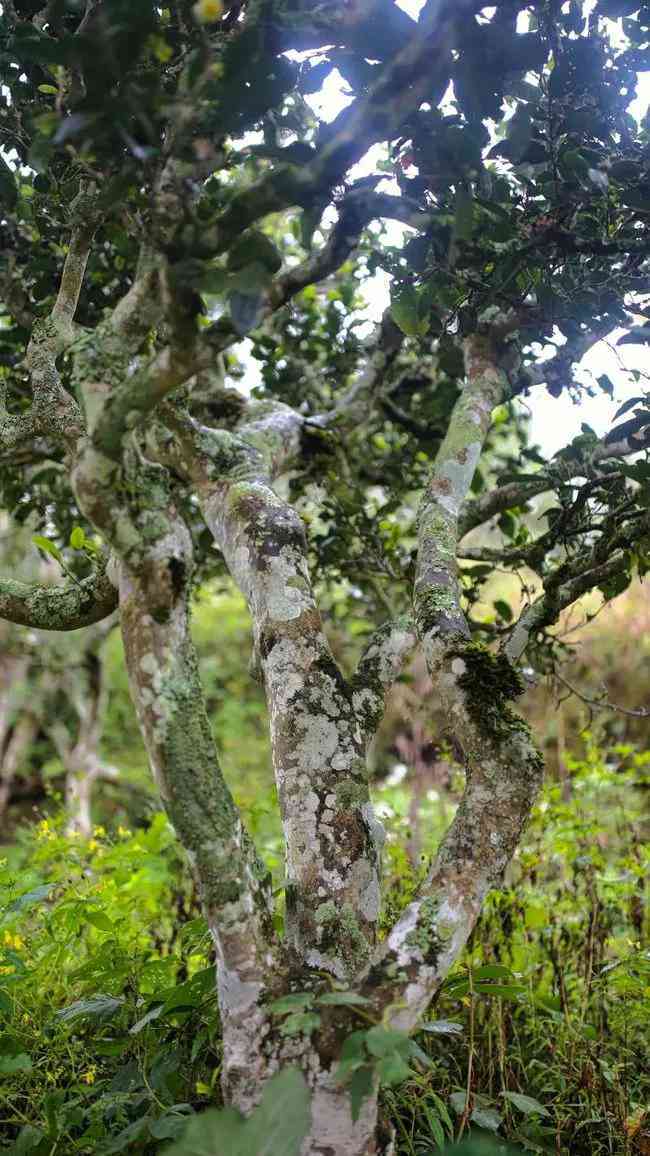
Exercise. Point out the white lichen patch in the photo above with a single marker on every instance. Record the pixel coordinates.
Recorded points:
(318, 744)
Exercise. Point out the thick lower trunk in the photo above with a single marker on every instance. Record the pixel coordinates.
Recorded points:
(333, 1132)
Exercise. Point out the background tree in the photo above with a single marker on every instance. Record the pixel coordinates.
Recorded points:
(52, 690)
(146, 232)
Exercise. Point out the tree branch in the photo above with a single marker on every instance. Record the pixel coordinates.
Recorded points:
(503, 768)
(378, 668)
(601, 703)
(67, 607)
(437, 590)
(414, 75)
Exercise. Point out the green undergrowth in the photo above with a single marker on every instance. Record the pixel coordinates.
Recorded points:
(109, 1031)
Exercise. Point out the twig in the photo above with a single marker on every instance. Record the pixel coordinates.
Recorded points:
(602, 704)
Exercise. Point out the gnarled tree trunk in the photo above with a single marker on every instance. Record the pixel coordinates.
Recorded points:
(143, 469)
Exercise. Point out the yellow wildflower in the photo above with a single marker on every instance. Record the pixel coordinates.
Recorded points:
(93, 845)
(207, 11)
(99, 832)
(124, 832)
(88, 1076)
(13, 941)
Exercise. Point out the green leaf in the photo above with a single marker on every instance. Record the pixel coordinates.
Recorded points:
(297, 1001)
(353, 1054)
(192, 993)
(171, 1125)
(486, 1118)
(8, 187)
(250, 278)
(492, 970)
(503, 610)
(361, 1086)
(406, 311)
(443, 1028)
(382, 1041)
(213, 1132)
(393, 1069)
(526, 1104)
(627, 405)
(507, 524)
(435, 1127)
(125, 1139)
(98, 919)
(214, 280)
(29, 1138)
(47, 547)
(95, 1007)
(343, 999)
(246, 311)
(300, 1023)
(442, 1111)
(153, 1014)
(458, 1101)
(77, 538)
(33, 896)
(502, 990)
(606, 384)
(254, 247)
(9, 1065)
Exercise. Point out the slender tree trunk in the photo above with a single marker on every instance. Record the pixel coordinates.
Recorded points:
(78, 790)
(20, 741)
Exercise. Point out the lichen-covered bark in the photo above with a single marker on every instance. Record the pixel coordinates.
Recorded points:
(234, 885)
(378, 668)
(69, 606)
(129, 500)
(332, 838)
(503, 767)
(436, 595)
(503, 771)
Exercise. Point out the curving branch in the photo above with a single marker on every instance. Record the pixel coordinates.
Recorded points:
(503, 767)
(66, 607)
(601, 703)
(570, 581)
(378, 668)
